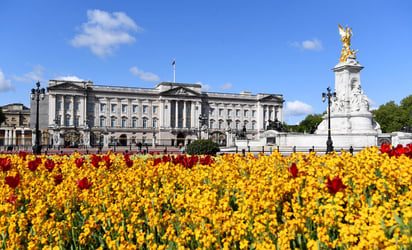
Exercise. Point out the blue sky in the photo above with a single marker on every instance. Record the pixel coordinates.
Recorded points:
(279, 47)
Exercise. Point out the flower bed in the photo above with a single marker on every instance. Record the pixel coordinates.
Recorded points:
(229, 201)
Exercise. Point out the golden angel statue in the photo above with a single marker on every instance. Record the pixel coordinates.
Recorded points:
(346, 34)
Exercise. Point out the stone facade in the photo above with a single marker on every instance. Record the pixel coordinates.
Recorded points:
(79, 113)
(15, 130)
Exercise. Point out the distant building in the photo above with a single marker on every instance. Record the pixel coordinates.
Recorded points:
(15, 130)
(79, 113)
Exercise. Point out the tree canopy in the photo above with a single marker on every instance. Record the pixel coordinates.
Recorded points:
(393, 117)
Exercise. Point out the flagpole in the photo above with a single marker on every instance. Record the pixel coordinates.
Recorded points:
(174, 70)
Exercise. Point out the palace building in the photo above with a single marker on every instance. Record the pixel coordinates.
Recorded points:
(15, 130)
(79, 113)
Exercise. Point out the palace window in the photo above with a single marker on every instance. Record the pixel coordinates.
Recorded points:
(253, 125)
(245, 113)
(91, 122)
(113, 122)
(59, 106)
(229, 112)
(67, 105)
(114, 108)
(220, 112)
(211, 124)
(134, 123)
(212, 111)
(124, 107)
(102, 107)
(123, 123)
(220, 124)
(237, 112)
(91, 107)
(134, 108)
(76, 121)
(102, 122)
(67, 121)
(154, 110)
(76, 106)
(145, 109)
(237, 124)
(144, 122)
(253, 113)
(154, 123)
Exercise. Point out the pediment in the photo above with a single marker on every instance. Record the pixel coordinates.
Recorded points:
(66, 86)
(272, 98)
(180, 91)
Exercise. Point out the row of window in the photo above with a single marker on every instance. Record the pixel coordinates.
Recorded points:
(237, 125)
(102, 122)
(113, 107)
(229, 112)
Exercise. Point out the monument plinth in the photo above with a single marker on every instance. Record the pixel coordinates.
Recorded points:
(350, 109)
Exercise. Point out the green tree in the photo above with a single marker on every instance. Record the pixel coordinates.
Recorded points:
(391, 117)
(406, 105)
(310, 123)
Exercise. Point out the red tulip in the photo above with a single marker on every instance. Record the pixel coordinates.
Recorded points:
(58, 179)
(49, 165)
(5, 164)
(385, 147)
(34, 164)
(294, 170)
(107, 160)
(129, 163)
(23, 155)
(13, 182)
(79, 162)
(95, 160)
(11, 200)
(335, 185)
(84, 183)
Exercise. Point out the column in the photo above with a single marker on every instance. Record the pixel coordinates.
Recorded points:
(6, 137)
(72, 113)
(192, 115)
(184, 114)
(161, 114)
(63, 118)
(280, 113)
(259, 120)
(22, 137)
(52, 109)
(82, 117)
(176, 114)
(14, 137)
(167, 114)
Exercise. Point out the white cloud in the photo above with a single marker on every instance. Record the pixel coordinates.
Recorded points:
(33, 76)
(104, 32)
(5, 85)
(298, 108)
(69, 78)
(314, 44)
(145, 76)
(226, 86)
(205, 87)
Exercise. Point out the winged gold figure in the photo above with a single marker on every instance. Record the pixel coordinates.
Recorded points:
(346, 35)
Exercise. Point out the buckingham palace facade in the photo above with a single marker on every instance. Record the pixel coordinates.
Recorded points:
(79, 113)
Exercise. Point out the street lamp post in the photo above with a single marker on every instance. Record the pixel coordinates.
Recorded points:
(36, 94)
(329, 96)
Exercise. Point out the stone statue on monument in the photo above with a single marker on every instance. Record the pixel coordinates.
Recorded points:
(358, 100)
(346, 35)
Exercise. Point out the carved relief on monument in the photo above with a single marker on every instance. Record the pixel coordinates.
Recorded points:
(358, 100)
